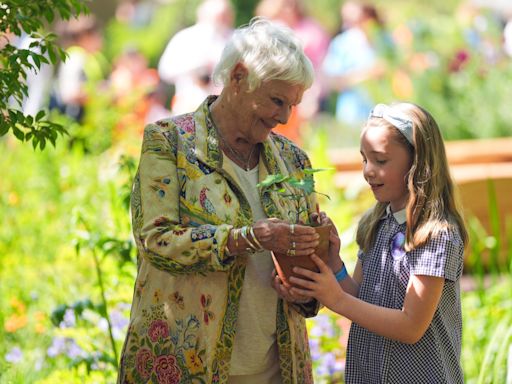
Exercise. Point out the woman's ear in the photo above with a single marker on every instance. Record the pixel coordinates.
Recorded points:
(238, 74)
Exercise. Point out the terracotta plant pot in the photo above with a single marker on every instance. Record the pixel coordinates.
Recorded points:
(284, 264)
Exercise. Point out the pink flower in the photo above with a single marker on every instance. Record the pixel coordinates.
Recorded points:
(144, 362)
(167, 370)
(157, 330)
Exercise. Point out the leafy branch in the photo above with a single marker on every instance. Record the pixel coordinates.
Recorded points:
(19, 17)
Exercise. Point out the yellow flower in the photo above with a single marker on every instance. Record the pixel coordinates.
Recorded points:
(194, 362)
(13, 199)
(18, 305)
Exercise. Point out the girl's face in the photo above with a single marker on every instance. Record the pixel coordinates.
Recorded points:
(386, 163)
(268, 105)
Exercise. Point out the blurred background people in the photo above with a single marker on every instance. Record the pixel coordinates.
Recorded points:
(137, 90)
(191, 54)
(83, 67)
(136, 13)
(354, 57)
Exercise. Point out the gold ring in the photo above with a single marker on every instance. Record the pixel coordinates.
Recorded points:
(292, 229)
(291, 252)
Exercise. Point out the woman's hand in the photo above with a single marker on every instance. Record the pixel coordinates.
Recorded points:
(284, 293)
(321, 286)
(281, 237)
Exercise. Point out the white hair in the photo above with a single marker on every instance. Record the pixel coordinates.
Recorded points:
(269, 51)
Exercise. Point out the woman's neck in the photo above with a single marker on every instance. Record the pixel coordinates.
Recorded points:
(228, 125)
(231, 139)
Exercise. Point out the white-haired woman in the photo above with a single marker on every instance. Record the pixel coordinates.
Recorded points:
(204, 308)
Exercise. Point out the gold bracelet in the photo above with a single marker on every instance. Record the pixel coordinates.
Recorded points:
(236, 232)
(252, 247)
(251, 231)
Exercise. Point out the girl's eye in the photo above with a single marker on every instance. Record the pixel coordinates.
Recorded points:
(381, 162)
(277, 101)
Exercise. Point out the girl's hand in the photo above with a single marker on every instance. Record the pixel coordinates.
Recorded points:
(319, 285)
(335, 262)
(285, 238)
(284, 293)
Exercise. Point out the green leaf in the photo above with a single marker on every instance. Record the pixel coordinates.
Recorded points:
(37, 61)
(271, 180)
(307, 185)
(310, 171)
(4, 128)
(40, 115)
(18, 133)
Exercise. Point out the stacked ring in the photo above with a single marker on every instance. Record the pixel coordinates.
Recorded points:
(290, 252)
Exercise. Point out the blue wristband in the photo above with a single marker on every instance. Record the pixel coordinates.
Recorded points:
(341, 274)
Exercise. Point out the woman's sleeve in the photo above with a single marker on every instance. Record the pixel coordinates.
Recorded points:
(162, 239)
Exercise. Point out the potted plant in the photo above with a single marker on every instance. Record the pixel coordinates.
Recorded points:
(283, 262)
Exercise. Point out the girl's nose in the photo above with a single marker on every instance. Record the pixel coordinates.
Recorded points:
(368, 170)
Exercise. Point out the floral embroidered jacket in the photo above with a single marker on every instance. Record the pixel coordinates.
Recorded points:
(186, 296)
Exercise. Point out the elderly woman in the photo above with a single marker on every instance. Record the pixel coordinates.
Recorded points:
(204, 308)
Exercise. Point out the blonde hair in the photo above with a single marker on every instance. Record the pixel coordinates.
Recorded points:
(432, 205)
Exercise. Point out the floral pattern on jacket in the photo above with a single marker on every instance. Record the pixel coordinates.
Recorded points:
(187, 291)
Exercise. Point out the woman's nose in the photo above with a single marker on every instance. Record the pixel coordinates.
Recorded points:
(284, 114)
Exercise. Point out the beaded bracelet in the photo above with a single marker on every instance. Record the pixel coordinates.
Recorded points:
(341, 274)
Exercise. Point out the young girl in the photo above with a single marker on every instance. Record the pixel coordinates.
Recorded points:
(404, 295)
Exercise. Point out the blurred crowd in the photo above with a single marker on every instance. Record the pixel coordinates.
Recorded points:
(360, 51)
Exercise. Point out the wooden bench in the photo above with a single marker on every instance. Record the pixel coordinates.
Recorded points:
(469, 160)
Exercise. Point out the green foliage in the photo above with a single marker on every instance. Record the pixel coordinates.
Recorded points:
(19, 17)
(304, 186)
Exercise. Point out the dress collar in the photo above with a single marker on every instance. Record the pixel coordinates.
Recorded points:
(399, 216)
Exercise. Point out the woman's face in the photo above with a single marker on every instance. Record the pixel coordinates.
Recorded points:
(265, 107)
(386, 163)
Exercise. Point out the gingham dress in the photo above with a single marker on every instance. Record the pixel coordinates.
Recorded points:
(435, 358)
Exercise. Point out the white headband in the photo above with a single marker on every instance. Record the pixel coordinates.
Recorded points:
(397, 119)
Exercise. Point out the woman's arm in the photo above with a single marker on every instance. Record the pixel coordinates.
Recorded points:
(162, 237)
(406, 325)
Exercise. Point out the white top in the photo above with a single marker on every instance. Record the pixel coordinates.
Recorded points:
(255, 354)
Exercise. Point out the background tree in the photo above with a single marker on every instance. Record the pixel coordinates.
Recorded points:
(29, 18)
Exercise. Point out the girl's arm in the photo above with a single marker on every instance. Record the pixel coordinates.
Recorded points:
(351, 284)
(406, 325)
